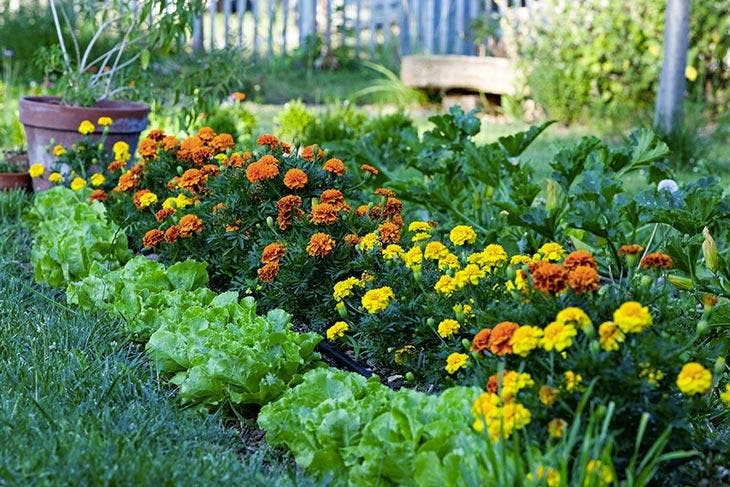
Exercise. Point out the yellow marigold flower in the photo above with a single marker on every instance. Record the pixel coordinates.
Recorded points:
(343, 289)
(376, 300)
(337, 331)
(449, 261)
(598, 473)
(55, 177)
(121, 151)
(393, 251)
(413, 258)
(445, 285)
(556, 427)
(179, 201)
(572, 380)
(147, 199)
(59, 150)
(520, 282)
(552, 252)
(500, 421)
(690, 72)
(97, 179)
(36, 170)
(86, 127)
(456, 361)
(435, 251)
(548, 395)
(448, 327)
(463, 311)
(78, 184)
(420, 236)
(632, 317)
(548, 474)
(525, 339)
(558, 336)
(610, 336)
(492, 257)
(694, 379)
(725, 396)
(652, 375)
(512, 383)
(471, 274)
(520, 259)
(402, 354)
(420, 226)
(462, 235)
(368, 242)
(574, 316)
(104, 121)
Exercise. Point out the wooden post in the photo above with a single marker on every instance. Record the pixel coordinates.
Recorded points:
(240, 7)
(226, 20)
(358, 13)
(198, 41)
(328, 24)
(373, 28)
(285, 19)
(459, 27)
(272, 14)
(670, 99)
(212, 11)
(255, 43)
(405, 28)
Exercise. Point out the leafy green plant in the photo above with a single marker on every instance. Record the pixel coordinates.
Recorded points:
(390, 88)
(293, 121)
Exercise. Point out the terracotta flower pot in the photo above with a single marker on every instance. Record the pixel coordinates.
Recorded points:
(14, 180)
(47, 121)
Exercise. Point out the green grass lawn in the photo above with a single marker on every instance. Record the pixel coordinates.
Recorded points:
(81, 407)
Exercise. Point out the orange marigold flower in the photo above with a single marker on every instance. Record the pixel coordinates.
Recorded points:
(238, 160)
(153, 238)
(579, 258)
(480, 342)
(210, 170)
(259, 171)
(583, 279)
(172, 184)
(389, 233)
(269, 159)
(147, 149)
(309, 152)
(170, 143)
(272, 252)
(172, 234)
(269, 271)
(206, 134)
(127, 181)
(201, 155)
(656, 260)
(139, 201)
(295, 178)
(375, 212)
(320, 245)
(190, 224)
(97, 195)
(361, 210)
(286, 148)
(397, 220)
(268, 139)
(288, 207)
(164, 213)
(323, 214)
(335, 166)
(238, 96)
(393, 206)
(499, 339)
(222, 142)
(548, 277)
(385, 192)
(369, 168)
(351, 240)
(193, 180)
(116, 166)
(156, 135)
(185, 151)
(335, 198)
(630, 249)
(137, 169)
(218, 207)
(232, 228)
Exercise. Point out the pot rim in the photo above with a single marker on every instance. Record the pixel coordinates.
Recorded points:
(102, 106)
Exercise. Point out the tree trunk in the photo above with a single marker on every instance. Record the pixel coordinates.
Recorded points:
(669, 105)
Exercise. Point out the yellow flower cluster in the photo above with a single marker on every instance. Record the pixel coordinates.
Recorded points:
(180, 201)
(448, 327)
(393, 251)
(500, 418)
(548, 474)
(513, 382)
(368, 242)
(525, 339)
(598, 474)
(456, 361)
(551, 252)
(77, 184)
(413, 258)
(55, 177)
(36, 170)
(632, 317)
(97, 179)
(86, 127)
(609, 336)
(121, 151)
(572, 380)
(420, 230)
(558, 336)
(492, 257)
(462, 235)
(377, 300)
(337, 330)
(694, 379)
(145, 200)
(343, 289)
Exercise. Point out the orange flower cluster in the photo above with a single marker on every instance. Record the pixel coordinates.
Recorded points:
(579, 272)
(115, 166)
(190, 224)
(265, 168)
(129, 180)
(268, 140)
(295, 178)
(153, 238)
(192, 180)
(288, 207)
(147, 148)
(656, 260)
(335, 166)
(389, 233)
(270, 258)
(495, 340)
(320, 245)
(98, 195)
(238, 159)
(630, 249)
(335, 198)
(172, 234)
(309, 152)
(164, 213)
(369, 169)
(351, 240)
(199, 149)
(222, 142)
(323, 214)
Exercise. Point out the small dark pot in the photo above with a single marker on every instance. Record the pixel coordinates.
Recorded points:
(47, 121)
(14, 180)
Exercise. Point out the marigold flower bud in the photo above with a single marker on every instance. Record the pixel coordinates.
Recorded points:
(646, 281)
(179, 170)
(410, 377)
(270, 223)
(341, 310)
(680, 282)
(552, 195)
(720, 365)
(702, 327)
